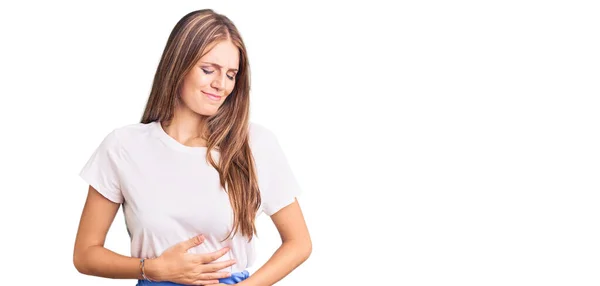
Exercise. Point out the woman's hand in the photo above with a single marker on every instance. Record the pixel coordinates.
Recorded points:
(178, 266)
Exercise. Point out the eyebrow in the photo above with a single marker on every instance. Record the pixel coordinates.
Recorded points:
(235, 70)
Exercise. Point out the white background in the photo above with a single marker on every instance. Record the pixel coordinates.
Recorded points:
(437, 143)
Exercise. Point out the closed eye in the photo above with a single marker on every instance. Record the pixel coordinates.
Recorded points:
(210, 72)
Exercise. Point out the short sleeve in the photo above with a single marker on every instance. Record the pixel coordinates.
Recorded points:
(101, 169)
(277, 182)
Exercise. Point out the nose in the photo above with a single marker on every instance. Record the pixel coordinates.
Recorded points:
(218, 82)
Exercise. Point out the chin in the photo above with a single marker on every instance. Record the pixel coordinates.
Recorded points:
(207, 111)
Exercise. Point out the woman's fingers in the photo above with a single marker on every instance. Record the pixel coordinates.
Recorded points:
(210, 257)
(211, 278)
(192, 242)
(214, 275)
(214, 267)
(205, 282)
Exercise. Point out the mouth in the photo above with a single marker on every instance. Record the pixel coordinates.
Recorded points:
(211, 96)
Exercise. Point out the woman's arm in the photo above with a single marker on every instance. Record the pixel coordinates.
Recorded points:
(295, 248)
(89, 256)
(175, 264)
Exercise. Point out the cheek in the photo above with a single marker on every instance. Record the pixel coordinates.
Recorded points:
(204, 80)
(201, 81)
(229, 87)
(193, 84)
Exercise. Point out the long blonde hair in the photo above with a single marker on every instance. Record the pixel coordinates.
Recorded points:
(228, 128)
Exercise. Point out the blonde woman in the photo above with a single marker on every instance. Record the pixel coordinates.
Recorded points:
(193, 175)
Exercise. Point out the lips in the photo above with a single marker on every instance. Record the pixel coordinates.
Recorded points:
(212, 96)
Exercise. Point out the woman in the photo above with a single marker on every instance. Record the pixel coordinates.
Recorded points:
(193, 175)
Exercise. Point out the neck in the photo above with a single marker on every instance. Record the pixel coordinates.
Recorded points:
(188, 128)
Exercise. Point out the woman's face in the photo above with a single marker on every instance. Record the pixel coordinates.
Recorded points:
(211, 79)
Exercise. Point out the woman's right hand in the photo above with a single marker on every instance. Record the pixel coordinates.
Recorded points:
(177, 265)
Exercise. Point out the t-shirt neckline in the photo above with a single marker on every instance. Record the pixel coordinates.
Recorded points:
(174, 144)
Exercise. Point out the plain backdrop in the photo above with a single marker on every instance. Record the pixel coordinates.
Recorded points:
(437, 142)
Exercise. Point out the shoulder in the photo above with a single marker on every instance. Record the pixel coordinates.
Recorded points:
(128, 134)
(259, 135)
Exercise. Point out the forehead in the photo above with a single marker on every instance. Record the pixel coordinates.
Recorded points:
(223, 53)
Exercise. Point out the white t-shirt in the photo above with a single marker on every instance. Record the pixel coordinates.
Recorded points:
(170, 193)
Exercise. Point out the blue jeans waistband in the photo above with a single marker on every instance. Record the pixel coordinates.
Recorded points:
(233, 279)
